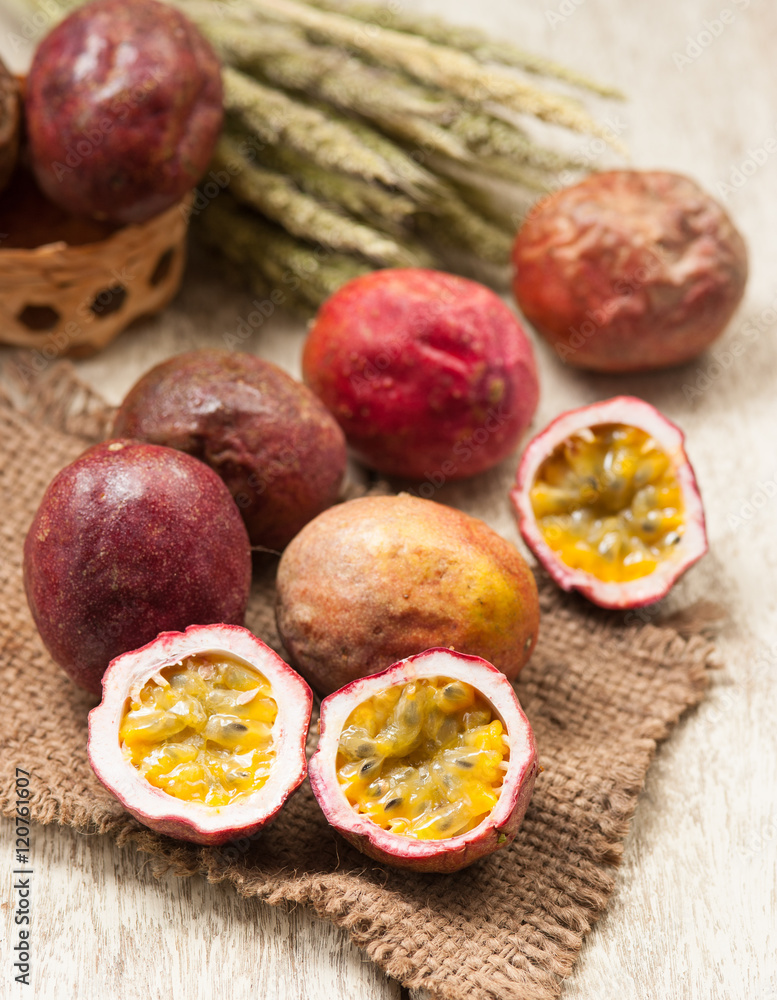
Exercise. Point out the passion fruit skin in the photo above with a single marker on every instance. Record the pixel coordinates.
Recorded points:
(123, 107)
(431, 376)
(370, 581)
(131, 540)
(499, 828)
(629, 270)
(639, 593)
(175, 817)
(279, 451)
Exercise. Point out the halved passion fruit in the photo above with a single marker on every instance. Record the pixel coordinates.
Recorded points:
(428, 765)
(201, 734)
(608, 502)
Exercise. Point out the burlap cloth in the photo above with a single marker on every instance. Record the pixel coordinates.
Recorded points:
(599, 693)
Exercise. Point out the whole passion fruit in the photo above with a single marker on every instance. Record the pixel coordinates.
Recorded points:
(277, 448)
(428, 765)
(629, 270)
(369, 581)
(124, 107)
(201, 735)
(607, 500)
(430, 376)
(131, 540)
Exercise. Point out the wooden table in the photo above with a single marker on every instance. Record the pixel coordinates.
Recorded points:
(695, 912)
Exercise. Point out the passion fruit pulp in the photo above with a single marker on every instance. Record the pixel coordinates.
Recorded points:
(608, 501)
(201, 735)
(428, 765)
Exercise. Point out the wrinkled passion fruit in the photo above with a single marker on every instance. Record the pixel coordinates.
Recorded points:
(370, 581)
(124, 107)
(607, 500)
(277, 448)
(131, 540)
(201, 735)
(428, 765)
(629, 270)
(430, 376)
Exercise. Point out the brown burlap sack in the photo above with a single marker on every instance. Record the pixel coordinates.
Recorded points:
(599, 693)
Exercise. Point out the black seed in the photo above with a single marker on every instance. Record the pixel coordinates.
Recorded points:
(393, 803)
(364, 750)
(368, 765)
(648, 526)
(444, 824)
(453, 691)
(462, 762)
(376, 789)
(237, 727)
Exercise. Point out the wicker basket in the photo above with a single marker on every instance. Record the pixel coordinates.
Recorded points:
(73, 295)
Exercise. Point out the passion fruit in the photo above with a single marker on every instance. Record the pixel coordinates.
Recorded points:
(430, 376)
(277, 448)
(629, 270)
(201, 735)
(370, 581)
(428, 765)
(124, 108)
(607, 500)
(131, 540)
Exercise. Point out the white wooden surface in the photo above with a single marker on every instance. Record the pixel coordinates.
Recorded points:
(695, 912)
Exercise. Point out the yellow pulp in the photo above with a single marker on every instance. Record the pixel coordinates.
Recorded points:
(201, 730)
(424, 760)
(607, 500)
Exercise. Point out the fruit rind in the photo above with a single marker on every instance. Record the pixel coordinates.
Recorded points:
(194, 821)
(496, 831)
(635, 593)
(371, 581)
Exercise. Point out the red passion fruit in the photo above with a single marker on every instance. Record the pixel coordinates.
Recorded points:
(430, 376)
(124, 108)
(280, 452)
(607, 500)
(201, 735)
(428, 765)
(629, 270)
(131, 540)
(370, 581)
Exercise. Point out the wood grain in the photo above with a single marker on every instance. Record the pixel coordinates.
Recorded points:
(694, 912)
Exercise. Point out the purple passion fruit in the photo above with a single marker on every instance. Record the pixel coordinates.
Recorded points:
(124, 108)
(131, 540)
(273, 443)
